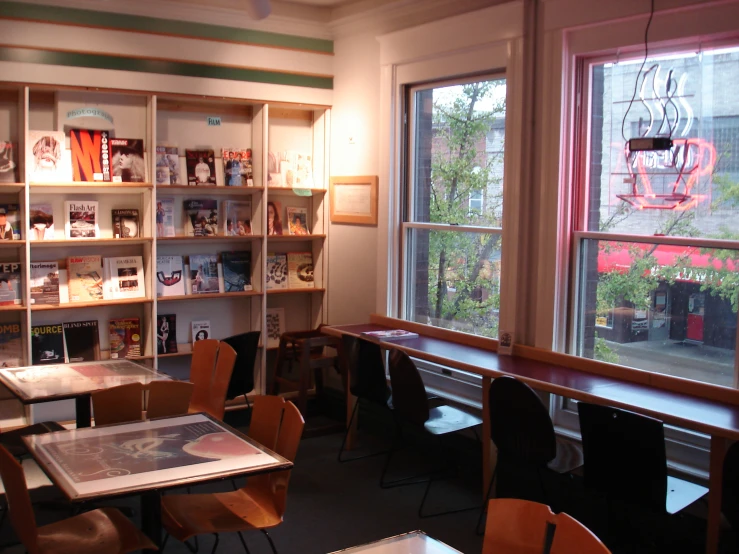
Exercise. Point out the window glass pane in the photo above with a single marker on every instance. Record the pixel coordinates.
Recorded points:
(453, 280)
(457, 155)
(671, 309)
(689, 190)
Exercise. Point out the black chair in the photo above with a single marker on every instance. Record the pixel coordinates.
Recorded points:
(730, 490)
(242, 378)
(410, 404)
(363, 362)
(626, 463)
(523, 433)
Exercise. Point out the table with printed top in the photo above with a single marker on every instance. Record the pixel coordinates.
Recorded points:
(146, 457)
(47, 383)
(415, 542)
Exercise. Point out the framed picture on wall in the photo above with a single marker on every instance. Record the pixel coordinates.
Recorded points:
(354, 200)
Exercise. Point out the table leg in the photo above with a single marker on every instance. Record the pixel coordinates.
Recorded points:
(715, 484)
(151, 517)
(487, 444)
(83, 411)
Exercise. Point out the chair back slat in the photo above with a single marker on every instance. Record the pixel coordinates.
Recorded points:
(408, 392)
(266, 417)
(202, 365)
(242, 378)
(520, 425)
(625, 455)
(119, 404)
(19, 501)
(288, 442)
(168, 398)
(221, 379)
(516, 527)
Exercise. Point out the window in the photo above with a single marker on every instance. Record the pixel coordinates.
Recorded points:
(657, 232)
(454, 204)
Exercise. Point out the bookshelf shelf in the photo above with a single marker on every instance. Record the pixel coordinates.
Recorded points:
(88, 188)
(217, 238)
(164, 190)
(208, 295)
(12, 243)
(294, 291)
(10, 188)
(88, 242)
(12, 308)
(175, 355)
(285, 191)
(79, 305)
(295, 238)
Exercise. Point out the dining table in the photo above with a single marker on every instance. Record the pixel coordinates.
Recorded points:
(413, 542)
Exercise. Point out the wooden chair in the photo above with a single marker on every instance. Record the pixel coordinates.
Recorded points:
(168, 398)
(572, 536)
(266, 417)
(258, 505)
(210, 372)
(99, 531)
(516, 527)
(118, 404)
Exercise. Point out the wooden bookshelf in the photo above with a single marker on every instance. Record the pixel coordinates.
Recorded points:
(295, 291)
(11, 188)
(13, 308)
(90, 242)
(292, 238)
(208, 296)
(163, 190)
(287, 191)
(80, 305)
(215, 238)
(12, 243)
(88, 188)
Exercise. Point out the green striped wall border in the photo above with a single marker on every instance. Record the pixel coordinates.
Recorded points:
(161, 67)
(154, 25)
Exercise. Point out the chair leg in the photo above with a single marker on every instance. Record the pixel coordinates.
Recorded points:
(346, 435)
(479, 530)
(193, 549)
(164, 542)
(215, 544)
(450, 466)
(243, 542)
(272, 544)
(403, 481)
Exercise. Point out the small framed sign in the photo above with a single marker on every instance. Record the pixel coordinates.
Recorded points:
(354, 200)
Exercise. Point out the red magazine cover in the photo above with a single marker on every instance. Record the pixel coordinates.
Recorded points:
(90, 155)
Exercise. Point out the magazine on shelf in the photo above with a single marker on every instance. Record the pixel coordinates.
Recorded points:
(9, 222)
(170, 276)
(46, 159)
(8, 163)
(236, 271)
(167, 334)
(10, 284)
(390, 334)
(47, 344)
(201, 217)
(204, 273)
(11, 345)
(290, 169)
(236, 218)
(201, 167)
(275, 326)
(85, 274)
(124, 278)
(128, 164)
(44, 283)
(237, 171)
(276, 271)
(41, 222)
(81, 341)
(81, 219)
(168, 165)
(90, 155)
(200, 330)
(125, 223)
(297, 221)
(274, 218)
(300, 270)
(165, 217)
(125, 338)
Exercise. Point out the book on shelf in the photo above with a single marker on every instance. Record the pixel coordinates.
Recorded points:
(237, 171)
(300, 270)
(167, 334)
(44, 283)
(9, 222)
(290, 169)
(81, 219)
(85, 278)
(8, 164)
(47, 344)
(170, 276)
(165, 217)
(11, 345)
(297, 221)
(125, 337)
(10, 284)
(125, 223)
(390, 334)
(236, 271)
(91, 156)
(46, 161)
(274, 217)
(200, 330)
(275, 326)
(124, 278)
(201, 217)
(81, 341)
(201, 167)
(237, 218)
(276, 271)
(129, 165)
(41, 222)
(204, 273)
(168, 165)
